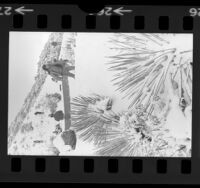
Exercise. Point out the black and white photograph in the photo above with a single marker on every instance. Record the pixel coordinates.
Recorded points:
(100, 94)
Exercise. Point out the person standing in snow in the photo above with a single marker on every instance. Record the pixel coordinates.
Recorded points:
(58, 115)
(65, 142)
(58, 69)
(38, 113)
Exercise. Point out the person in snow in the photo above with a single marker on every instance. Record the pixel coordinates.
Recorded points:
(65, 142)
(58, 69)
(58, 115)
(102, 105)
(54, 43)
(178, 122)
(182, 104)
(69, 138)
(58, 129)
(38, 113)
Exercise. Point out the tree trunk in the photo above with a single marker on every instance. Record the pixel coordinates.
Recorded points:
(66, 98)
(67, 53)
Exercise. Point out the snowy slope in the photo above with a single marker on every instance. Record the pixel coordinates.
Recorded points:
(49, 53)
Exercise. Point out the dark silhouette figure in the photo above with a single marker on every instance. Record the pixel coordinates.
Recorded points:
(38, 113)
(58, 129)
(69, 138)
(58, 69)
(109, 104)
(58, 115)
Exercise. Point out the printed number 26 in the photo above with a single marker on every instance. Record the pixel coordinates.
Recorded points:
(107, 11)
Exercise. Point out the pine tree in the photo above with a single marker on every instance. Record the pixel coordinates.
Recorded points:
(144, 68)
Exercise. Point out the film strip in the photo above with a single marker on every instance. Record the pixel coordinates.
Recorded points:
(64, 36)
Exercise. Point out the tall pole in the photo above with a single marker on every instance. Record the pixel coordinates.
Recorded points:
(66, 98)
(67, 52)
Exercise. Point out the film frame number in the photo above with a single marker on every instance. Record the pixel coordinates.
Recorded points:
(194, 12)
(106, 11)
(109, 11)
(7, 11)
